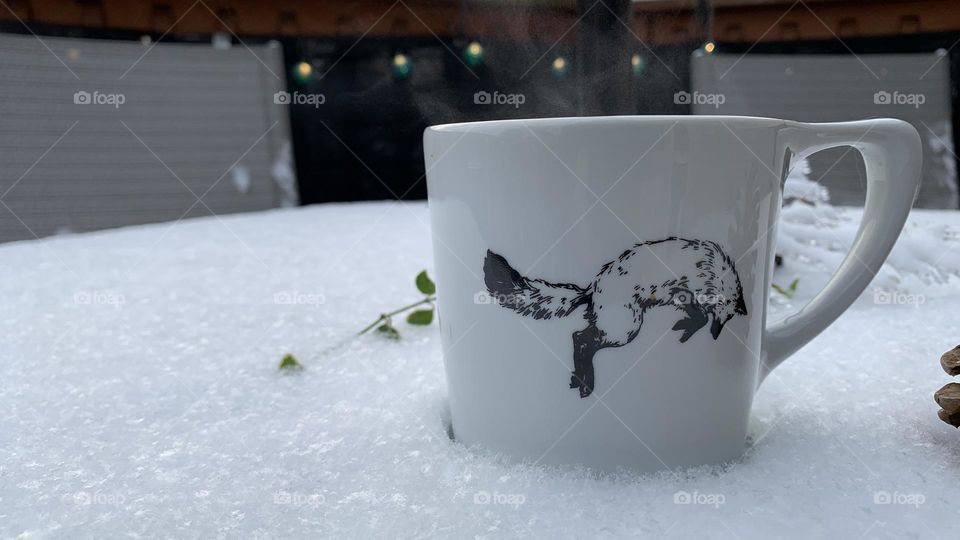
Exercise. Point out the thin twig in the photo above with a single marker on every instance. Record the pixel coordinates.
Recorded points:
(384, 316)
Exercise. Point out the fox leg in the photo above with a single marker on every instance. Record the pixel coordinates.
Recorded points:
(576, 379)
(586, 343)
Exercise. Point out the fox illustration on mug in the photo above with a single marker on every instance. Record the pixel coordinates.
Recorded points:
(707, 290)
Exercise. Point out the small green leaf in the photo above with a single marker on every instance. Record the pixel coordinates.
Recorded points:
(421, 317)
(290, 363)
(786, 292)
(425, 284)
(388, 331)
(793, 285)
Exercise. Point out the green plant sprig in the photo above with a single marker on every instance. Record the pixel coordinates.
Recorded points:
(384, 323)
(421, 317)
(788, 291)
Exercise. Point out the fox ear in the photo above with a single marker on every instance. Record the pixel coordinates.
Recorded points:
(741, 307)
(716, 328)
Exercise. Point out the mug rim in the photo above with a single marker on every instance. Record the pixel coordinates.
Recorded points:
(563, 121)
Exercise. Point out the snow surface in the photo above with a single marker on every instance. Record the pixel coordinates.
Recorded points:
(139, 396)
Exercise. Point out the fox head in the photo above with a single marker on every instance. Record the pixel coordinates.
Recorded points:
(715, 298)
(723, 311)
(722, 280)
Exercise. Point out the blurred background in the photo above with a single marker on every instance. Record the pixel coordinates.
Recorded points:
(124, 112)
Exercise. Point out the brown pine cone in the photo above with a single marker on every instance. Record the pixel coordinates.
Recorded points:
(952, 419)
(950, 361)
(948, 397)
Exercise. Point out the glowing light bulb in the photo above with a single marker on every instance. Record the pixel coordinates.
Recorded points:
(473, 53)
(637, 64)
(401, 66)
(709, 47)
(559, 67)
(303, 72)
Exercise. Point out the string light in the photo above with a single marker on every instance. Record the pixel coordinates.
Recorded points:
(401, 66)
(709, 47)
(303, 72)
(560, 66)
(473, 54)
(637, 64)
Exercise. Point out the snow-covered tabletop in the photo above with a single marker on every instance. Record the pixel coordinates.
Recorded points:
(140, 397)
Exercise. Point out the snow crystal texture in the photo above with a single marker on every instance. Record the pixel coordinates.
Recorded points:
(140, 396)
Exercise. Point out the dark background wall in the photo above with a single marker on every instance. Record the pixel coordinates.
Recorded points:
(372, 122)
(364, 142)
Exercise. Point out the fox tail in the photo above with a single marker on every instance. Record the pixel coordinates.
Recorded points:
(530, 297)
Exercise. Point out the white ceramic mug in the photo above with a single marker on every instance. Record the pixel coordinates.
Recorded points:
(603, 281)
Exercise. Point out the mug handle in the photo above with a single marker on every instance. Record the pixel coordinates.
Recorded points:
(892, 154)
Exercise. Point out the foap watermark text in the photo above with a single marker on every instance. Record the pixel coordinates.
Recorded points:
(297, 298)
(899, 98)
(82, 97)
(715, 500)
(896, 298)
(94, 498)
(704, 299)
(293, 498)
(496, 98)
(299, 98)
(699, 98)
(502, 499)
(898, 498)
(505, 300)
(98, 298)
